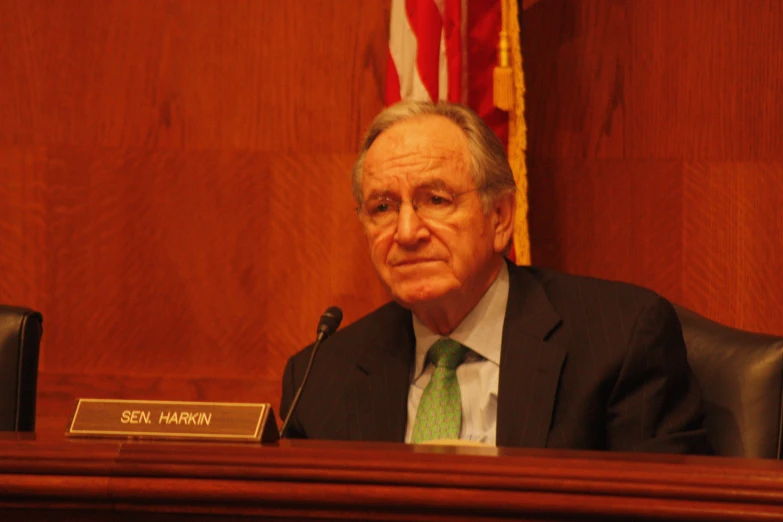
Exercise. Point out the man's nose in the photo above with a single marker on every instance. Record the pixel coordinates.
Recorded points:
(410, 227)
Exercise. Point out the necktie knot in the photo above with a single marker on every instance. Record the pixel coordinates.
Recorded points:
(447, 353)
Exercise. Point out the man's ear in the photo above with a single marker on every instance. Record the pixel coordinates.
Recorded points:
(503, 212)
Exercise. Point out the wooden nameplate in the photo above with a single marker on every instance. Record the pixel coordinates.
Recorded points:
(173, 420)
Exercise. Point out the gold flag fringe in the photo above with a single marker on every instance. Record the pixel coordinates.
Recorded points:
(509, 95)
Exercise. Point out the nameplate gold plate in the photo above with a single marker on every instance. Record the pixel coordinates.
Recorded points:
(212, 421)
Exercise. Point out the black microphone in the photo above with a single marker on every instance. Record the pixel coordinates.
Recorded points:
(328, 324)
(330, 321)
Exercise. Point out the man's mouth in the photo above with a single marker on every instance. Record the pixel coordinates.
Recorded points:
(408, 262)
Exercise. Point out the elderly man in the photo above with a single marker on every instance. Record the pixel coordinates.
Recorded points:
(473, 347)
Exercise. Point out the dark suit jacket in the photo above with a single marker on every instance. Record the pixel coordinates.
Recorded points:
(585, 364)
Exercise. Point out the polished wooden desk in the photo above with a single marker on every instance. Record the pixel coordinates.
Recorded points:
(294, 480)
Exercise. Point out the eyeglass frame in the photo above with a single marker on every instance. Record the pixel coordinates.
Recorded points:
(398, 203)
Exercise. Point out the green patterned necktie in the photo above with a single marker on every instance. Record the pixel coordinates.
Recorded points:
(439, 415)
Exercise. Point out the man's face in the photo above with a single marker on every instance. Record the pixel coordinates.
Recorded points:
(429, 255)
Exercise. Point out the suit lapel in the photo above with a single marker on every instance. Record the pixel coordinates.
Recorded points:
(377, 408)
(530, 364)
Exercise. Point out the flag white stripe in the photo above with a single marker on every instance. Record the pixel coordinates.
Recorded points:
(403, 46)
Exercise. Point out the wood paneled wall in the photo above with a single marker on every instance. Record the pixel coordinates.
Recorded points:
(175, 190)
(174, 175)
(656, 148)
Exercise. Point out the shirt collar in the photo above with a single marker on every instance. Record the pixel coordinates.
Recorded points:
(481, 330)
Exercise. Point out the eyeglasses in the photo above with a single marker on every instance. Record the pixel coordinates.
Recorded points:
(429, 204)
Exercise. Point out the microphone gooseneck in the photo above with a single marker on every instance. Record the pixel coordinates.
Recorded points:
(330, 321)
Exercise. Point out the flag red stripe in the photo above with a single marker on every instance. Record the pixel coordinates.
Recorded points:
(452, 26)
(427, 24)
(484, 25)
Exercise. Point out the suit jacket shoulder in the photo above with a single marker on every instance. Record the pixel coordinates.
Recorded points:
(618, 376)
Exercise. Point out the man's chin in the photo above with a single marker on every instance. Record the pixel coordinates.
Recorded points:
(412, 295)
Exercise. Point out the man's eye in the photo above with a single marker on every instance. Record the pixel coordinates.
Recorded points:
(379, 207)
(438, 200)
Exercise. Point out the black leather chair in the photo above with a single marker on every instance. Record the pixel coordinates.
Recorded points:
(20, 337)
(741, 376)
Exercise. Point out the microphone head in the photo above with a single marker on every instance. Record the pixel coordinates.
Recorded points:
(329, 322)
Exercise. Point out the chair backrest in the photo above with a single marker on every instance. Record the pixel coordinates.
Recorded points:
(20, 337)
(741, 377)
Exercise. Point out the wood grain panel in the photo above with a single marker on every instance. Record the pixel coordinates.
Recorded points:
(615, 219)
(575, 56)
(23, 216)
(690, 79)
(683, 98)
(213, 257)
(322, 255)
(186, 266)
(175, 189)
(733, 242)
(155, 252)
(704, 79)
(246, 74)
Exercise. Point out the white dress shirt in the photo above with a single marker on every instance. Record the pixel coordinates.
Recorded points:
(481, 331)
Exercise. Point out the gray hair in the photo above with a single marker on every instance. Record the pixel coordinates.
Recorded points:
(490, 169)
